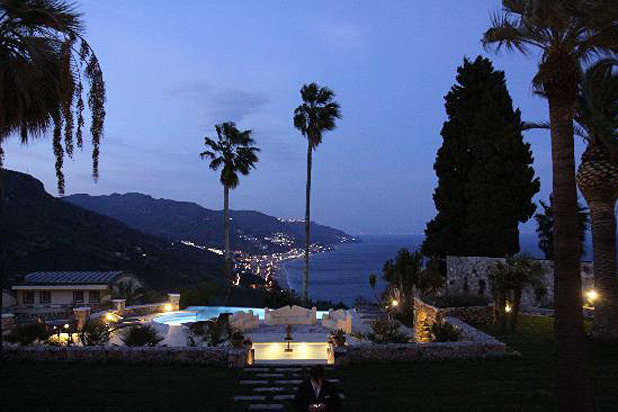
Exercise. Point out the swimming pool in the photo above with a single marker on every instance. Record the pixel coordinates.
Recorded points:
(199, 313)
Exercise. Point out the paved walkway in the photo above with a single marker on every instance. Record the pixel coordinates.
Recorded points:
(272, 388)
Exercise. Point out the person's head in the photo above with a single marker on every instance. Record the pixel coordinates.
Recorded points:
(317, 373)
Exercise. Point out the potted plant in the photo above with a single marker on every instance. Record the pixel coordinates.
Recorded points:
(337, 338)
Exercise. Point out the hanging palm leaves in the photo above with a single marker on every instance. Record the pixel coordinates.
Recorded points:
(44, 63)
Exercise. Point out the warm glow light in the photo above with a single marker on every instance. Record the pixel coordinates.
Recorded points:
(66, 326)
(508, 308)
(394, 302)
(592, 295)
(168, 307)
(109, 317)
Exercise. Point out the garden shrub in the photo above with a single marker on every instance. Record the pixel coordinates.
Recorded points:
(141, 335)
(29, 334)
(386, 330)
(337, 338)
(445, 332)
(95, 333)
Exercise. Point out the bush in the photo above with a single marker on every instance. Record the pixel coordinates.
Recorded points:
(445, 332)
(141, 335)
(29, 334)
(386, 330)
(211, 332)
(457, 301)
(95, 333)
(337, 338)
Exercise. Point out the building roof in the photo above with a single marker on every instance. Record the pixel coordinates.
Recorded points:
(71, 278)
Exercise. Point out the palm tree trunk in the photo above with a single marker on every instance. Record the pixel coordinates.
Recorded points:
(603, 223)
(515, 308)
(571, 366)
(307, 225)
(226, 235)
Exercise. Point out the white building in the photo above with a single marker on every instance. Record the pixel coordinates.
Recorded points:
(66, 289)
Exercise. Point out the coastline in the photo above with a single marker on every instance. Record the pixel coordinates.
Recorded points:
(281, 276)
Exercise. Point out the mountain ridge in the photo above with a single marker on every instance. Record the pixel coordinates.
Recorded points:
(252, 231)
(42, 232)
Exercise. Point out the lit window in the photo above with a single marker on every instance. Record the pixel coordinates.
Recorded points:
(94, 296)
(44, 297)
(78, 297)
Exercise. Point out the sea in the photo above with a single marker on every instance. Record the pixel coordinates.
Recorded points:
(343, 273)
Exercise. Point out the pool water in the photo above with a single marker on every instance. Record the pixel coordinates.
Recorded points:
(200, 313)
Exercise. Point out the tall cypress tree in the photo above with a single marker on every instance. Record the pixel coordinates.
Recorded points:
(485, 178)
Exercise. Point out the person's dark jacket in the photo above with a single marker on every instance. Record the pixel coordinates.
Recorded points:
(305, 396)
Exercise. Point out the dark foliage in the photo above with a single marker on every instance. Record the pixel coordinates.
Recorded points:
(28, 334)
(450, 301)
(95, 333)
(485, 176)
(445, 332)
(140, 335)
(39, 230)
(44, 62)
(545, 227)
(386, 330)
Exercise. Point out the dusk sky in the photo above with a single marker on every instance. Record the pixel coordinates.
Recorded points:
(174, 69)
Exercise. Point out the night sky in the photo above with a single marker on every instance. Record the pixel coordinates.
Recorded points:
(174, 69)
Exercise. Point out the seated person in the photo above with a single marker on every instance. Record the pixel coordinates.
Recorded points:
(316, 394)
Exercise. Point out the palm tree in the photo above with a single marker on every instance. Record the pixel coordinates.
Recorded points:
(44, 59)
(566, 33)
(597, 177)
(316, 115)
(234, 152)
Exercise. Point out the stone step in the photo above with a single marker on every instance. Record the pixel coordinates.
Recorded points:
(252, 382)
(286, 397)
(239, 398)
(288, 382)
(266, 407)
(270, 375)
(269, 389)
(254, 369)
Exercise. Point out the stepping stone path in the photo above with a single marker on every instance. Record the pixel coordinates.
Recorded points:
(272, 388)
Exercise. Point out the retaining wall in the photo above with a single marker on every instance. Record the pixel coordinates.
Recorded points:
(231, 357)
(470, 275)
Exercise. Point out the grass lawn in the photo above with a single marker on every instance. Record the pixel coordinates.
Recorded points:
(497, 385)
(504, 385)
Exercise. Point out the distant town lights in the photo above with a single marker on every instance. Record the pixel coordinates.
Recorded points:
(168, 307)
(395, 303)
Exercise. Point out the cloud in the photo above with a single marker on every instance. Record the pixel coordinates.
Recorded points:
(214, 105)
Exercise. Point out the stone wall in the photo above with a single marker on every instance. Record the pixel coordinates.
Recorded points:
(230, 357)
(470, 275)
(8, 323)
(425, 315)
(475, 344)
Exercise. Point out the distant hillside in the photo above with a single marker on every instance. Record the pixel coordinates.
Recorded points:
(251, 231)
(42, 232)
